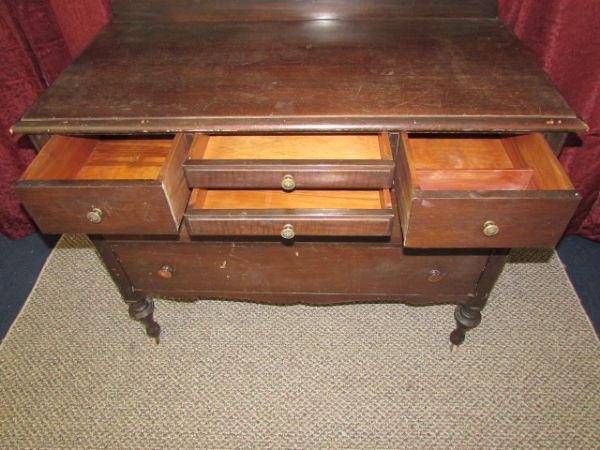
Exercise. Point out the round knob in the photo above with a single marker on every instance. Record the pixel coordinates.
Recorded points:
(288, 183)
(287, 232)
(434, 276)
(95, 215)
(490, 228)
(165, 272)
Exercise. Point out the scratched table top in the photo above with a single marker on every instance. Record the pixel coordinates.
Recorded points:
(419, 74)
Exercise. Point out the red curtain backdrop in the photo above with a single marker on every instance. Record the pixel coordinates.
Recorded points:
(564, 36)
(38, 39)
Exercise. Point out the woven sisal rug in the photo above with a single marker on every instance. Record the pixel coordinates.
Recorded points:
(76, 372)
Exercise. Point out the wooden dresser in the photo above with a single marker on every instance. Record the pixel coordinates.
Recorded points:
(303, 152)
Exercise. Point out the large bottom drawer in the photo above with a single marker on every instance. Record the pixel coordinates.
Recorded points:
(303, 272)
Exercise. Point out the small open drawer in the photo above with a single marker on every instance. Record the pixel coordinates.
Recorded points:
(107, 186)
(299, 213)
(482, 192)
(288, 162)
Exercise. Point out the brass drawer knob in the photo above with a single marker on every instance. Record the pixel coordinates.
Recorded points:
(490, 228)
(435, 276)
(165, 272)
(287, 232)
(95, 215)
(288, 183)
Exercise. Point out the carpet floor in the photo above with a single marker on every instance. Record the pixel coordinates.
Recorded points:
(76, 372)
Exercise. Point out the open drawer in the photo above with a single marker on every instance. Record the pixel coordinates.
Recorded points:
(299, 213)
(482, 192)
(288, 162)
(107, 186)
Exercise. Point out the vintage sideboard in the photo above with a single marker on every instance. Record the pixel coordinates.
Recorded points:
(303, 152)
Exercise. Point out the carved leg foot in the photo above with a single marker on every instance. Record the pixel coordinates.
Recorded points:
(143, 311)
(467, 318)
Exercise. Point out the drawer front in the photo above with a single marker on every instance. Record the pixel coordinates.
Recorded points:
(289, 224)
(487, 222)
(274, 174)
(498, 192)
(112, 186)
(300, 272)
(299, 213)
(102, 209)
(290, 162)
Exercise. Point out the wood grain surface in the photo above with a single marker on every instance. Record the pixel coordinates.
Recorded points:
(268, 199)
(302, 76)
(307, 174)
(138, 184)
(475, 179)
(528, 196)
(312, 161)
(290, 147)
(515, 159)
(279, 273)
(128, 207)
(310, 213)
(458, 222)
(75, 158)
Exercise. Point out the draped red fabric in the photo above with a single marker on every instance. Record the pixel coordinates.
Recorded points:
(38, 38)
(564, 36)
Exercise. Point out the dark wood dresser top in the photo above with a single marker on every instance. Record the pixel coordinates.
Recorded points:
(186, 72)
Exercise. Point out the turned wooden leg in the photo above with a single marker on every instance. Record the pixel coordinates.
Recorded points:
(143, 311)
(467, 318)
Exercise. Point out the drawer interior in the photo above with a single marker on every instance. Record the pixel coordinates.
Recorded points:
(483, 163)
(76, 158)
(107, 185)
(273, 199)
(287, 147)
